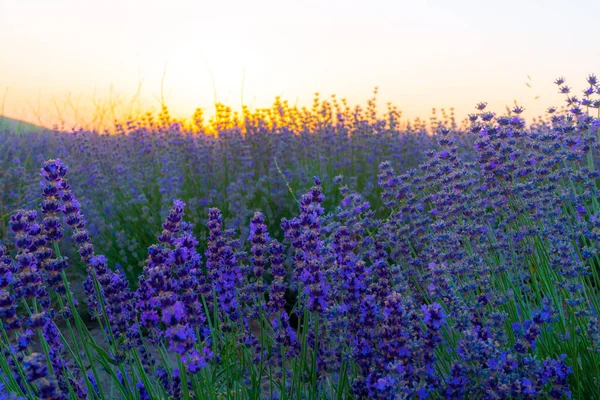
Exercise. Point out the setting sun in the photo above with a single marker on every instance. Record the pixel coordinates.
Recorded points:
(67, 61)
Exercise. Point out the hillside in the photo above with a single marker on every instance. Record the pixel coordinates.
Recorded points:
(18, 125)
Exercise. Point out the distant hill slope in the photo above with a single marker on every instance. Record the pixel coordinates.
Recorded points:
(15, 124)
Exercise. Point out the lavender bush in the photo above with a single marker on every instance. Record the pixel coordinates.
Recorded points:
(127, 180)
(378, 261)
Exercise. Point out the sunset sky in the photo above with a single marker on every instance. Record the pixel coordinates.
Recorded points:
(58, 58)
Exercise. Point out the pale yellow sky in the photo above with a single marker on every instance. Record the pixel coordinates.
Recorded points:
(58, 56)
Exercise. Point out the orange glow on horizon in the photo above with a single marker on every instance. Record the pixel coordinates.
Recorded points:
(89, 64)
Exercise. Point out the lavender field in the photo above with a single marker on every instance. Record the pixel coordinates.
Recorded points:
(324, 253)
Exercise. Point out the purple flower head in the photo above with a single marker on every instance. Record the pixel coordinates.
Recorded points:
(384, 384)
(285, 336)
(592, 80)
(587, 93)
(143, 393)
(8, 311)
(543, 315)
(172, 223)
(37, 321)
(310, 250)
(457, 382)
(276, 301)
(181, 338)
(20, 221)
(196, 360)
(54, 170)
(24, 340)
(259, 238)
(35, 367)
(518, 110)
(222, 266)
(174, 314)
(564, 89)
(433, 316)
(487, 116)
